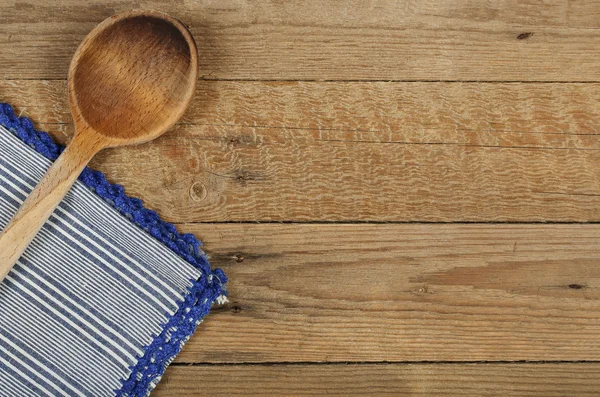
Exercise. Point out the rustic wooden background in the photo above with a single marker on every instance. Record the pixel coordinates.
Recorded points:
(405, 194)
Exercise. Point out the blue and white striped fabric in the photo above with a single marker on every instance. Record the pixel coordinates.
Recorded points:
(89, 295)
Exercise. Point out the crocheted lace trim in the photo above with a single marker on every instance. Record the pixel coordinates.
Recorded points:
(204, 292)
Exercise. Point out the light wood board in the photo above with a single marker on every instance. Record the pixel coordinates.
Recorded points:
(448, 380)
(260, 151)
(368, 293)
(506, 40)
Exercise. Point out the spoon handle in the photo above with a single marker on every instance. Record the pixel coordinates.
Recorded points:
(43, 200)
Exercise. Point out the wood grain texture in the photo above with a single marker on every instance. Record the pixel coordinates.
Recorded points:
(256, 151)
(342, 293)
(133, 77)
(552, 40)
(455, 380)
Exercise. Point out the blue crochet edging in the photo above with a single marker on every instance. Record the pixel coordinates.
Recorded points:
(203, 293)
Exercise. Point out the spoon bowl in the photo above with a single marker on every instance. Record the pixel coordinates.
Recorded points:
(130, 80)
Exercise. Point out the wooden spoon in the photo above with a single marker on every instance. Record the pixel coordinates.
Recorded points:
(130, 80)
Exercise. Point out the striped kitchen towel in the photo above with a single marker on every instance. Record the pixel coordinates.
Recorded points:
(107, 293)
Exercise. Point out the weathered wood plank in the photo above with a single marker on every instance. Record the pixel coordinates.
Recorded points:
(252, 151)
(555, 40)
(402, 293)
(359, 107)
(455, 380)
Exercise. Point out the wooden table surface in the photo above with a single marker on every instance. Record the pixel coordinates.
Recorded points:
(404, 194)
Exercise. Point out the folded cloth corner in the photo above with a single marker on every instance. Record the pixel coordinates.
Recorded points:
(107, 293)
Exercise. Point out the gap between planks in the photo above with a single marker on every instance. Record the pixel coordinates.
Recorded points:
(424, 362)
(249, 80)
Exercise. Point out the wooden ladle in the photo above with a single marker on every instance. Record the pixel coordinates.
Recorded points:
(130, 80)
